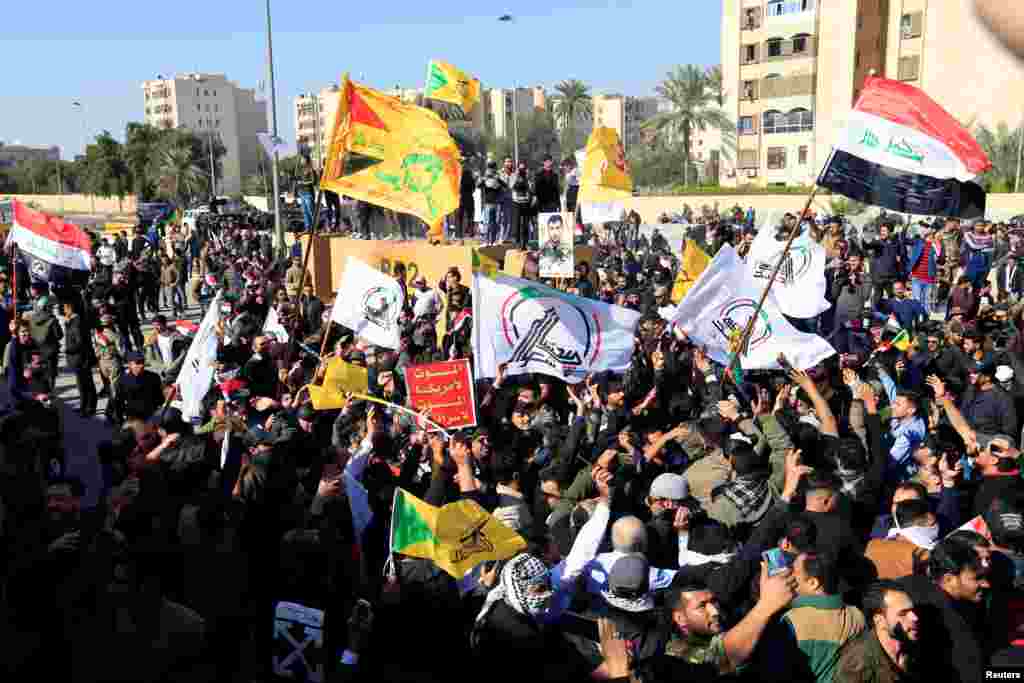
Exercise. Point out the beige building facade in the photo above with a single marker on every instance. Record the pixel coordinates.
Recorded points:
(314, 119)
(793, 69)
(211, 105)
(12, 155)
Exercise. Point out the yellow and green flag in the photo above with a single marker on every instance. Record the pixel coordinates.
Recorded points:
(392, 154)
(340, 378)
(693, 264)
(901, 341)
(449, 84)
(457, 536)
(606, 174)
(482, 263)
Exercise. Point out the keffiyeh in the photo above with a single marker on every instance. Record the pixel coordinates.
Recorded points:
(517, 577)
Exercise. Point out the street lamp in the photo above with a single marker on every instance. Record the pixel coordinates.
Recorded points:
(507, 19)
(85, 149)
(278, 227)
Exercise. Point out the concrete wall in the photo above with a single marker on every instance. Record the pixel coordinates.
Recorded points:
(77, 203)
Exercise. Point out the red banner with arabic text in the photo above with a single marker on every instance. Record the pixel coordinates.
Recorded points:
(444, 391)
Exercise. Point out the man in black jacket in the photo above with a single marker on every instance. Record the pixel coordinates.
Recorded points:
(80, 358)
(139, 391)
(886, 263)
(547, 188)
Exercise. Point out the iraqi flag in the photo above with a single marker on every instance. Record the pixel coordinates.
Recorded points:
(902, 151)
(53, 251)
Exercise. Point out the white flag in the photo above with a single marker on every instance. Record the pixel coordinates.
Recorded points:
(369, 303)
(535, 328)
(272, 327)
(197, 369)
(720, 304)
(800, 285)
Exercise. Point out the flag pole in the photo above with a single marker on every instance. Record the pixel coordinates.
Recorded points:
(749, 329)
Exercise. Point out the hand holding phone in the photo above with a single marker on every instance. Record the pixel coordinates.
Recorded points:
(777, 560)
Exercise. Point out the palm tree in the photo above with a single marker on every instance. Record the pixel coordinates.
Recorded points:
(572, 102)
(1002, 146)
(179, 176)
(694, 108)
(715, 82)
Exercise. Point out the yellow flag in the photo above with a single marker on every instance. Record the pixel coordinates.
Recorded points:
(392, 154)
(606, 174)
(457, 536)
(482, 263)
(339, 379)
(449, 84)
(693, 264)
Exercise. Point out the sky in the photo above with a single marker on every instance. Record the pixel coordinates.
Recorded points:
(99, 53)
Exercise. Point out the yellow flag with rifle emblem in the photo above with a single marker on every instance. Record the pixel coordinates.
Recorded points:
(340, 378)
(457, 536)
(449, 84)
(392, 154)
(694, 262)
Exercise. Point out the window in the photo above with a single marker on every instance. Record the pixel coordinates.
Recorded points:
(911, 25)
(214, 93)
(751, 18)
(800, 120)
(910, 68)
(199, 107)
(773, 122)
(747, 158)
(777, 158)
(200, 123)
(774, 47)
(207, 108)
(745, 125)
(749, 54)
(750, 90)
(216, 107)
(856, 59)
(800, 43)
(778, 8)
(801, 155)
(860, 20)
(206, 93)
(197, 92)
(217, 122)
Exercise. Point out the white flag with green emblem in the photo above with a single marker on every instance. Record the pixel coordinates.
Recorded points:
(534, 328)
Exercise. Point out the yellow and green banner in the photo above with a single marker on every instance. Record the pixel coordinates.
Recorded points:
(340, 378)
(693, 264)
(449, 84)
(606, 175)
(457, 536)
(392, 154)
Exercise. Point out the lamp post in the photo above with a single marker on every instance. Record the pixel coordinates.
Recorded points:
(85, 150)
(507, 18)
(278, 227)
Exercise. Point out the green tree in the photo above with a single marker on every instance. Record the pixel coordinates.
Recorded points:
(180, 164)
(694, 109)
(713, 74)
(140, 149)
(106, 173)
(572, 103)
(1002, 145)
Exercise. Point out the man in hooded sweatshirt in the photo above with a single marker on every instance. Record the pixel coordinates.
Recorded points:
(47, 334)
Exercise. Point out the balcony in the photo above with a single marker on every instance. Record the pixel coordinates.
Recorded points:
(796, 121)
(790, 86)
(780, 49)
(750, 19)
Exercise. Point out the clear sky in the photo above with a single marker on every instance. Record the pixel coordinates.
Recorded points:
(99, 52)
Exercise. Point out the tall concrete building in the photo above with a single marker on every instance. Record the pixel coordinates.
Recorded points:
(211, 105)
(502, 108)
(625, 114)
(314, 120)
(793, 68)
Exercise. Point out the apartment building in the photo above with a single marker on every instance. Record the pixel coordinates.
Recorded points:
(314, 121)
(211, 105)
(625, 114)
(793, 69)
(502, 107)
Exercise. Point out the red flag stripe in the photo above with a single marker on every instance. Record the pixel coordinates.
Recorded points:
(911, 107)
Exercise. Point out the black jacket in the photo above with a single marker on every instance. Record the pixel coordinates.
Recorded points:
(139, 396)
(548, 191)
(947, 635)
(78, 352)
(990, 412)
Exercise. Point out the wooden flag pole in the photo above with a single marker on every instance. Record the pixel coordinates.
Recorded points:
(749, 329)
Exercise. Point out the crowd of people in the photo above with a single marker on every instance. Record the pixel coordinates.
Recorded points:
(858, 521)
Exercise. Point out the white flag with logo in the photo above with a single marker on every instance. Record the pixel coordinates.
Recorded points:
(196, 374)
(535, 328)
(800, 285)
(369, 303)
(719, 305)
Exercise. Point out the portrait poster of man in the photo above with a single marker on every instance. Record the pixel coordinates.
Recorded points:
(556, 254)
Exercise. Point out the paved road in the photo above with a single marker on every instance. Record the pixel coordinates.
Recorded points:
(81, 435)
